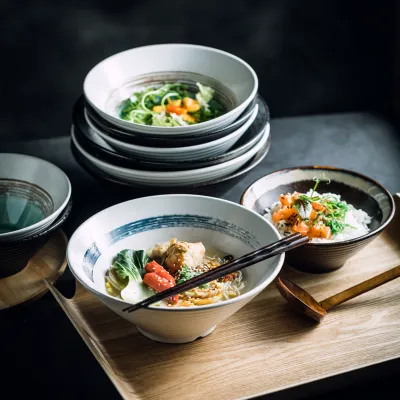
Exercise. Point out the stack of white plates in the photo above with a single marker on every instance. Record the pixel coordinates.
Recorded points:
(135, 154)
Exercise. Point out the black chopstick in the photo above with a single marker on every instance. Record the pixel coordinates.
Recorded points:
(271, 250)
(246, 257)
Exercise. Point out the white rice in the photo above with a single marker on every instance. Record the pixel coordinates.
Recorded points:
(357, 219)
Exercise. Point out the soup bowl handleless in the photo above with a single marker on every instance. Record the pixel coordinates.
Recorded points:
(141, 223)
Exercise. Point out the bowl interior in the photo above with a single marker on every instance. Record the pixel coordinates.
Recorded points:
(211, 239)
(113, 79)
(38, 172)
(223, 94)
(22, 204)
(362, 192)
(139, 224)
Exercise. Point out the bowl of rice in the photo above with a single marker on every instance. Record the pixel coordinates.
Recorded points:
(340, 211)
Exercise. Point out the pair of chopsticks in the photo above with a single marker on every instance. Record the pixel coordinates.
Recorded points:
(271, 250)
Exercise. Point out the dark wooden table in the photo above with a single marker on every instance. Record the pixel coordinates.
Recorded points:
(42, 354)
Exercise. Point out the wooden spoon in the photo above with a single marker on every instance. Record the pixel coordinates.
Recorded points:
(304, 303)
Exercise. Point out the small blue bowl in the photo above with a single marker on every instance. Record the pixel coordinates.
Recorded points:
(22, 204)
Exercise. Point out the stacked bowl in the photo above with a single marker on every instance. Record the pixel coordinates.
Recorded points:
(35, 200)
(171, 115)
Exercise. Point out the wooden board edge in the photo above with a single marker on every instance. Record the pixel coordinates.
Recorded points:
(90, 343)
(326, 376)
(54, 279)
(123, 391)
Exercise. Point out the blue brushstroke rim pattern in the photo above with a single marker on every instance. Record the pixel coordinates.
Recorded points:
(93, 253)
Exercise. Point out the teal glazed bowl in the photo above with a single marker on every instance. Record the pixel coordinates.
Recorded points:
(33, 194)
(22, 204)
(361, 191)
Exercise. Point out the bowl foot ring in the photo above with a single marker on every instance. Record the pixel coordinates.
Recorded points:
(162, 339)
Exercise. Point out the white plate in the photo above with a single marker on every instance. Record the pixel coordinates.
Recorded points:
(189, 153)
(175, 178)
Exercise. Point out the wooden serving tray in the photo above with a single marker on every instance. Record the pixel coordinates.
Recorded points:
(261, 349)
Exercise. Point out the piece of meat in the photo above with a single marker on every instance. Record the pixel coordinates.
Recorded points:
(159, 250)
(181, 253)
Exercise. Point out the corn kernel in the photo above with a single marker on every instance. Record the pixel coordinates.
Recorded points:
(191, 105)
(158, 109)
(175, 102)
(188, 117)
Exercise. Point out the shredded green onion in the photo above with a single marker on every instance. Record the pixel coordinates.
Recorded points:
(139, 108)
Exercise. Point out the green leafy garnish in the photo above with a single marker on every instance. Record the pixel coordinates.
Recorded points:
(205, 94)
(334, 210)
(139, 107)
(185, 274)
(335, 214)
(317, 182)
(129, 267)
(130, 264)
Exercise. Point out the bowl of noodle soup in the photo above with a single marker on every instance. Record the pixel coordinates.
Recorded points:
(129, 251)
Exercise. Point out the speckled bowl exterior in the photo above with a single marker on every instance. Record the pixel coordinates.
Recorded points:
(15, 255)
(359, 190)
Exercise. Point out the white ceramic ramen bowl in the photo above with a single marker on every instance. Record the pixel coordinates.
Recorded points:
(117, 77)
(141, 223)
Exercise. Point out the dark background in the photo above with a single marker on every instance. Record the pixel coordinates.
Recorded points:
(311, 56)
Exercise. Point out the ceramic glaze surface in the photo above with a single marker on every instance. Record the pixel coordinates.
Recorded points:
(197, 152)
(171, 140)
(22, 204)
(14, 255)
(98, 147)
(136, 224)
(217, 185)
(51, 189)
(110, 79)
(174, 178)
(360, 191)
